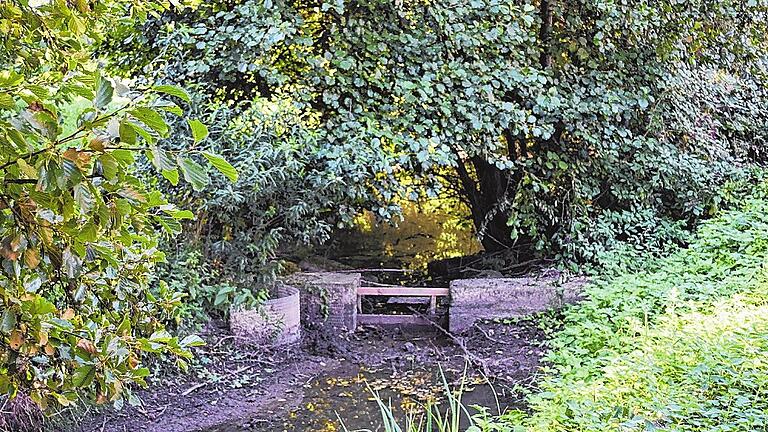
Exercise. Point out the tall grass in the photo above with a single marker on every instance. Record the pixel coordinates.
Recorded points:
(452, 416)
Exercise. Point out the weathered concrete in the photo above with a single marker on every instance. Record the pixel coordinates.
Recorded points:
(476, 299)
(276, 321)
(329, 300)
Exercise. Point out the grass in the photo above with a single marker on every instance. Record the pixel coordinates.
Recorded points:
(452, 416)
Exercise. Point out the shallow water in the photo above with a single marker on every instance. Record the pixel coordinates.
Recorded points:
(346, 394)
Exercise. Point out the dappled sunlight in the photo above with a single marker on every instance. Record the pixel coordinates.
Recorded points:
(429, 230)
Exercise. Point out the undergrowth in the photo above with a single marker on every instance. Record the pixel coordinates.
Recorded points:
(681, 346)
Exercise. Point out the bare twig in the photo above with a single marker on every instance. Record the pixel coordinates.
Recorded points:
(487, 336)
(477, 361)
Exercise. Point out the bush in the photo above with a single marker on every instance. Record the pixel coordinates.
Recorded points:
(208, 293)
(79, 231)
(283, 197)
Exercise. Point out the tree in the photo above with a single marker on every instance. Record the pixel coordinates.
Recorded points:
(556, 121)
(79, 230)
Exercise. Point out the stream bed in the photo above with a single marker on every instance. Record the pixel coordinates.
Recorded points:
(346, 395)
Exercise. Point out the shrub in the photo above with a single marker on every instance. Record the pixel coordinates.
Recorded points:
(79, 230)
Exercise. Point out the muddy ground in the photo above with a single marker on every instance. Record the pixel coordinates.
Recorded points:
(233, 387)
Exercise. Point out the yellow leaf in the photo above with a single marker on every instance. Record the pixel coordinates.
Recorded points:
(27, 169)
(16, 339)
(31, 258)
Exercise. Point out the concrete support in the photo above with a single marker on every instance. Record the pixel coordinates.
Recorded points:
(477, 299)
(274, 322)
(329, 300)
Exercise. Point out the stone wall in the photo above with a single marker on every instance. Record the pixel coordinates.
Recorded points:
(329, 300)
(476, 299)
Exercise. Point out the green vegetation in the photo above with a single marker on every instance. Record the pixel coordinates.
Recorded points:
(160, 164)
(565, 127)
(449, 415)
(678, 347)
(79, 230)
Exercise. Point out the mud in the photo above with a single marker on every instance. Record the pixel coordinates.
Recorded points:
(236, 388)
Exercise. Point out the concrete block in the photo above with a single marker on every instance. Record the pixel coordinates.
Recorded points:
(329, 300)
(476, 299)
(276, 321)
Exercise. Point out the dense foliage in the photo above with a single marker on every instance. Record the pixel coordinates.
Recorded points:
(564, 126)
(79, 230)
(282, 197)
(678, 346)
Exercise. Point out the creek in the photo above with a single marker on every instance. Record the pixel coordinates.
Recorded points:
(348, 394)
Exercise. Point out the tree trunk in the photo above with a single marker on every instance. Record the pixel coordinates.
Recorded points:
(486, 191)
(489, 214)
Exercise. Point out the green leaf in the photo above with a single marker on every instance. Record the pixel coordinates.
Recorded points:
(72, 264)
(161, 336)
(109, 166)
(41, 306)
(83, 376)
(104, 91)
(171, 108)
(84, 197)
(222, 166)
(172, 176)
(170, 224)
(7, 102)
(194, 173)
(151, 118)
(180, 214)
(127, 133)
(9, 320)
(124, 156)
(161, 160)
(199, 130)
(26, 169)
(173, 91)
(192, 341)
(17, 138)
(125, 326)
(143, 133)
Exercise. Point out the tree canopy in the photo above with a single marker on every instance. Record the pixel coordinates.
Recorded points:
(543, 117)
